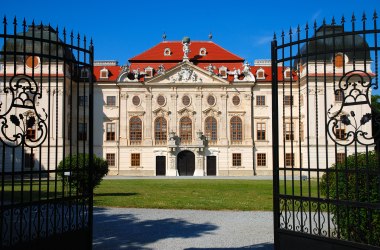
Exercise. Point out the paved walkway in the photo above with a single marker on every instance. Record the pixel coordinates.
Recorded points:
(130, 228)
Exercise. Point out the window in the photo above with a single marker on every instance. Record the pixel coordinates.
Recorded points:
(110, 131)
(339, 60)
(167, 52)
(136, 100)
(82, 131)
(135, 159)
(261, 159)
(260, 74)
(110, 160)
(211, 100)
(340, 157)
(236, 100)
(289, 132)
(148, 72)
(261, 131)
(339, 95)
(31, 133)
(340, 133)
(135, 130)
(104, 73)
(211, 129)
(223, 72)
(288, 100)
(260, 100)
(161, 100)
(287, 73)
(186, 100)
(236, 129)
(160, 130)
(32, 61)
(202, 52)
(111, 100)
(185, 130)
(83, 100)
(236, 159)
(289, 159)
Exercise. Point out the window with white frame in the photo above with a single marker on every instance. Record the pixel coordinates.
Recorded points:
(148, 72)
(104, 73)
(260, 100)
(110, 131)
(202, 52)
(261, 129)
(260, 74)
(223, 72)
(287, 73)
(111, 100)
(289, 131)
(110, 160)
(236, 159)
(261, 159)
(289, 159)
(135, 159)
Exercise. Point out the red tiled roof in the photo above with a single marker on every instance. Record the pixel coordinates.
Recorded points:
(113, 73)
(213, 52)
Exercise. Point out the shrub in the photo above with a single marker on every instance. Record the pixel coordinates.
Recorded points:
(78, 168)
(355, 184)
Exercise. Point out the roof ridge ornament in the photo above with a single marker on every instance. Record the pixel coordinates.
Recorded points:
(186, 48)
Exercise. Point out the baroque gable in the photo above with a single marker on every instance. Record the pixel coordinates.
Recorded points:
(187, 73)
(186, 112)
(211, 112)
(161, 112)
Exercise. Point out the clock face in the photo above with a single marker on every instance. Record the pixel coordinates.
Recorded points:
(32, 61)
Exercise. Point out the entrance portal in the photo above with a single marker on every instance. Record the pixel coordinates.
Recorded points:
(186, 163)
(211, 165)
(160, 165)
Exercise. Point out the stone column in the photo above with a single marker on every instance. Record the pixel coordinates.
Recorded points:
(148, 120)
(223, 124)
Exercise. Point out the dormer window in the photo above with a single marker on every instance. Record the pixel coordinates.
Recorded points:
(84, 73)
(104, 73)
(223, 72)
(287, 73)
(148, 72)
(202, 52)
(339, 60)
(260, 74)
(167, 52)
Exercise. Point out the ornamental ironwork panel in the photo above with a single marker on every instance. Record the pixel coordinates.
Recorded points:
(46, 137)
(326, 135)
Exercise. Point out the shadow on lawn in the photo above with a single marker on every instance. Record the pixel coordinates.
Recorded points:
(116, 231)
(115, 194)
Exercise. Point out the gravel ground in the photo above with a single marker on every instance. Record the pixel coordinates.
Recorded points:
(130, 228)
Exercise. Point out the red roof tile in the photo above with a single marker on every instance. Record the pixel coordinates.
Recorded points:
(113, 73)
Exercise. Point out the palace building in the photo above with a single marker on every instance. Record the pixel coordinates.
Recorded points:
(192, 108)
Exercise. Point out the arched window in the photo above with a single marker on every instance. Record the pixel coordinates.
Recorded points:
(160, 130)
(135, 130)
(236, 129)
(185, 130)
(211, 129)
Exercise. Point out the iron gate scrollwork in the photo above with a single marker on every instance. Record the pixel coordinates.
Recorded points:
(46, 121)
(326, 136)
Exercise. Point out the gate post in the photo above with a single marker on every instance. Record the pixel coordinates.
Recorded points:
(275, 143)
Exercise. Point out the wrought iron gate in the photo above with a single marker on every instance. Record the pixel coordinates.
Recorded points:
(326, 136)
(46, 99)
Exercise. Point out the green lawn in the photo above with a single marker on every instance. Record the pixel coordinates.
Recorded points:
(242, 195)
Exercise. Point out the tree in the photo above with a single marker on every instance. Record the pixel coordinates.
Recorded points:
(74, 171)
(354, 188)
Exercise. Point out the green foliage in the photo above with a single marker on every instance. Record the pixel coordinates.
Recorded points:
(74, 171)
(356, 185)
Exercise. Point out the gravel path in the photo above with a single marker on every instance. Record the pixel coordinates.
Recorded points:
(130, 228)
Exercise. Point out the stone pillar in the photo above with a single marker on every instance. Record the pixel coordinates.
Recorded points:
(247, 120)
(198, 113)
(172, 164)
(148, 121)
(123, 119)
(173, 109)
(224, 123)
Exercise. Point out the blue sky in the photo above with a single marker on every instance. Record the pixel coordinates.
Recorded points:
(122, 29)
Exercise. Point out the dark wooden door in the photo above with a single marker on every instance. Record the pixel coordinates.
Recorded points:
(186, 163)
(161, 165)
(211, 165)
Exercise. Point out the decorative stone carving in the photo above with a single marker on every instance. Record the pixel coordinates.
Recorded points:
(186, 74)
(237, 113)
(136, 113)
(186, 112)
(211, 112)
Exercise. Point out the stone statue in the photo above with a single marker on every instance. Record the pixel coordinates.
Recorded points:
(186, 47)
(161, 69)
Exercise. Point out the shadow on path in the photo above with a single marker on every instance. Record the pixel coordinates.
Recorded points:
(262, 246)
(116, 231)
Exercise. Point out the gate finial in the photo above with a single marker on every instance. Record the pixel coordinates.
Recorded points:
(375, 15)
(333, 21)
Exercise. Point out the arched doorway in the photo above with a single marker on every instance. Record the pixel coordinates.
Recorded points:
(186, 163)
